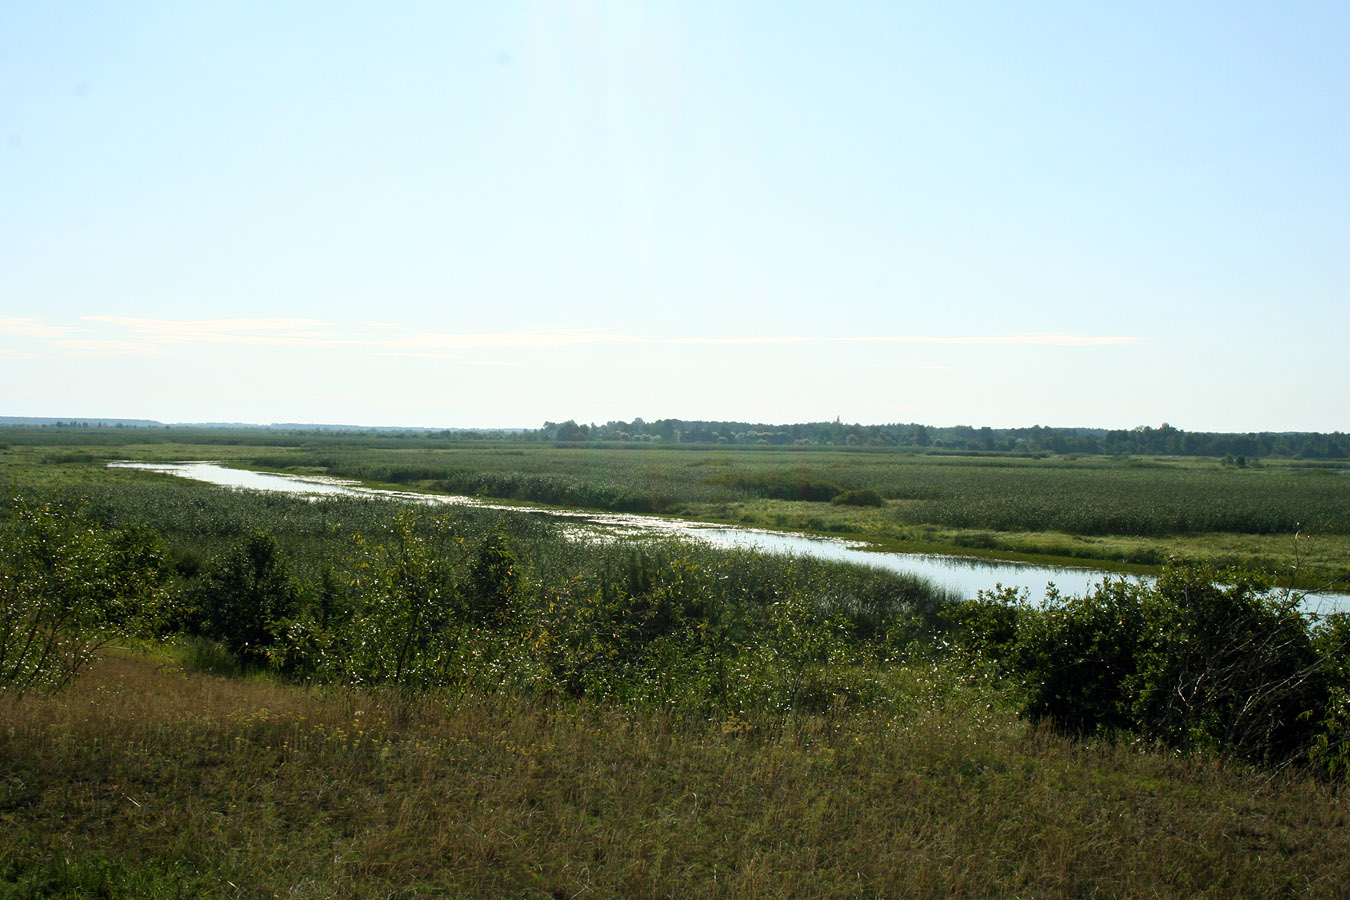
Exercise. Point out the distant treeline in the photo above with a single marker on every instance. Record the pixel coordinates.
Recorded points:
(1145, 440)
(1239, 449)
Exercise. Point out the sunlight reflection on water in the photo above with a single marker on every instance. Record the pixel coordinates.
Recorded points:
(963, 575)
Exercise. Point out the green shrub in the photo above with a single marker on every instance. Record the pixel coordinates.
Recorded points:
(982, 539)
(859, 497)
(493, 578)
(245, 596)
(1195, 661)
(1226, 666)
(205, 655)
(409, 606)
(67, 588)
(1331, 750)
(1077, 657)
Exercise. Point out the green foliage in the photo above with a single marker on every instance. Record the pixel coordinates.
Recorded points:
(797, 483)
(494, 578)
(368, 592)
(377, 593)
(1331, 748)
(1196, 661)
(634, 625)
(245, 598)
(801, 643)
(859, 497)
(1078, 658)
(988, 624)
(408, 602)
(68, 587)
(1228, 666)
(202, 654)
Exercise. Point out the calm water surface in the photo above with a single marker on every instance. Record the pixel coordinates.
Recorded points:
(962, 574)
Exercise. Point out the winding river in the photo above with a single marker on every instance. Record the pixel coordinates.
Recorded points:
(963, 575)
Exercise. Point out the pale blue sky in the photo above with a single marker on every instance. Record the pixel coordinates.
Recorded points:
(492, 214)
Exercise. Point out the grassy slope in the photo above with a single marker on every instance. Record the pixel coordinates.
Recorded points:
(147, 780)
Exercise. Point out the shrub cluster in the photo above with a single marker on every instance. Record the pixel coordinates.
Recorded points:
(369, 592)
(779, 484)
(482, 598)
(1198, 660)
(66, 588)
(859, 497)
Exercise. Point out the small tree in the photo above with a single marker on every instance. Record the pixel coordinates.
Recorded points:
(407, 599)
(245, 596)
(66, 588)
(1331, 748)
(493, 578)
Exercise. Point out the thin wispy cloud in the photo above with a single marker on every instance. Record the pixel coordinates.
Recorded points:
(265, 331)
(129, 335)
(30, 328)
(1036, 340)
(508, 340)
(109, 347)
(739, 341)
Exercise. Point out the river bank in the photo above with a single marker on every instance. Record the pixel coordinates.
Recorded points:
(965, 576)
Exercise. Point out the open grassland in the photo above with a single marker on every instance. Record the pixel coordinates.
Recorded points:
(1092, 496)
(352, 697)
(1132, 514)
(145, 779)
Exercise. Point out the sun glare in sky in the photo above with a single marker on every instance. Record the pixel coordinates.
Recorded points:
(491, 215)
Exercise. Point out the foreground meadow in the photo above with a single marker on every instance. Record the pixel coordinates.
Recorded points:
(148, 780)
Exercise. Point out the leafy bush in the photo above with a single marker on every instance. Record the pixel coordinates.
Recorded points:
(68, 587)
(1331, 750)
(1197, 660)
(982, 539)
(245, 597)
(1078, 658)
(370, 592)
(792, 484)
(1228, 666)
(494, 576)
(859, 497)
(408, 604)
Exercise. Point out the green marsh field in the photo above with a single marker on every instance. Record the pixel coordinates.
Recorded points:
(1131, 513)
(206, 692)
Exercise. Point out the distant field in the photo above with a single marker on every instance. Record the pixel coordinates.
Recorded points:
(1116, 510)
(1122, 511)
(1089, 496)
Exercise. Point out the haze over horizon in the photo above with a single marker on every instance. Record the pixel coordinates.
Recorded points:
(495, 215)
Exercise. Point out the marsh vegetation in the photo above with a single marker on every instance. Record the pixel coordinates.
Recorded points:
(367, 697)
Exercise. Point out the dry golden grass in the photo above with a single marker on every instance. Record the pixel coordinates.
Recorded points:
(146, 780)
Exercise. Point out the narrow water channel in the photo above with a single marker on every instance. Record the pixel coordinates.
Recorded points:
(964, 575)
